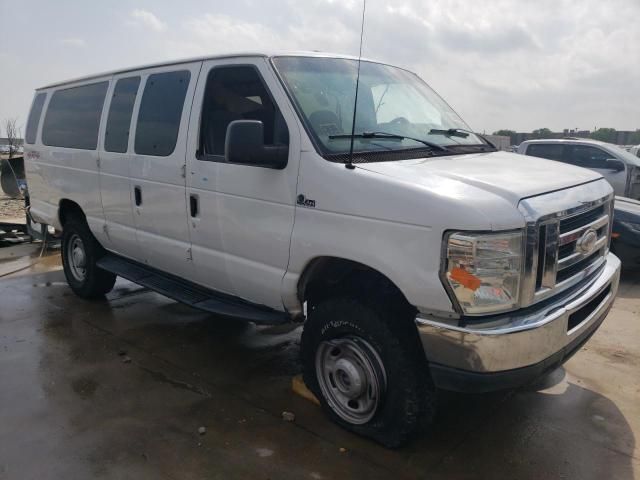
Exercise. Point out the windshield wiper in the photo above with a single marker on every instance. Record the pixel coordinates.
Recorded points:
(392, 136)
(461, 132)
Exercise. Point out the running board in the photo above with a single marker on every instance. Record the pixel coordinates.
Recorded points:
(191, 294)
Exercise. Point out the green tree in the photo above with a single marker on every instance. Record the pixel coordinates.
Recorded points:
(542, 133)
(608, 135)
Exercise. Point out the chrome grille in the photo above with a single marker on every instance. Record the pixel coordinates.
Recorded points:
(567, 238)
(570, 244)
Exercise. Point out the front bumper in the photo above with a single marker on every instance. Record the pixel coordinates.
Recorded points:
(511, 349)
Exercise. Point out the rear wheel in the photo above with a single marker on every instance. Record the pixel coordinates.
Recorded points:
(80, 252)
(370, 378)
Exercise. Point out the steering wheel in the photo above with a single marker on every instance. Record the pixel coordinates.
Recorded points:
(399, 121)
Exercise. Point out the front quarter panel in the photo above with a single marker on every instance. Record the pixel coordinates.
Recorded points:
(393, 226)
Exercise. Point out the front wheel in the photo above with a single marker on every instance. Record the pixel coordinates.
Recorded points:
(80, 252)
(369, 377)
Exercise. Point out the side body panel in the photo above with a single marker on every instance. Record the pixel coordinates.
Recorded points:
(116, 189)
(242, 233)
(56, 173)
(161, 218)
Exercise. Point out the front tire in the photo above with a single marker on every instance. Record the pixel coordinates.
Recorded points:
(370, 378)
(80, 252)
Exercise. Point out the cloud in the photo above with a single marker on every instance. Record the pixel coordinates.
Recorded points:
(147, 19)
(74, 42)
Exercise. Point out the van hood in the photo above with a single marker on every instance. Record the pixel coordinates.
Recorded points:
(508, 175)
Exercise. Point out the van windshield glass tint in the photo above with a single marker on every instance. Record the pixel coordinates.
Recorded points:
(116, 137)
(34, 118)
(160, 113)
(390, 100)
(73, 117)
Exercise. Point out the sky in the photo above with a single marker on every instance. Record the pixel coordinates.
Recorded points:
(519, 64)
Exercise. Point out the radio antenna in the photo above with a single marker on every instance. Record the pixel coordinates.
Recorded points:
(349, 163)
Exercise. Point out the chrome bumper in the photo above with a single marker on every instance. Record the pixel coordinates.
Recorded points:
(526, 338)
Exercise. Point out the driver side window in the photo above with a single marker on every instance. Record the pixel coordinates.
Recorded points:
(237, 93)
(588, 157)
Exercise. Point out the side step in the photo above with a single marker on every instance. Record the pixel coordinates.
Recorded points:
(191, 294)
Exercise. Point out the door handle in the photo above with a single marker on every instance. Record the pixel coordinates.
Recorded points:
(138, 195)
(193, 205)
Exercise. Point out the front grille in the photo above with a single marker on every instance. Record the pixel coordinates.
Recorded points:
(570, 246)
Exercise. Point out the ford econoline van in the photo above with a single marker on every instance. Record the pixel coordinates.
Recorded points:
(417, 256)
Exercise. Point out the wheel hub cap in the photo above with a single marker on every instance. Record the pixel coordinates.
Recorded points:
(351, 377)
(77, 258)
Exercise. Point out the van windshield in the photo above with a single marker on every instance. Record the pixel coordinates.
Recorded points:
(390, 100)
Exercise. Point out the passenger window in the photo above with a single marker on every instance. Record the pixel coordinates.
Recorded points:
(73, 117)
(550, 151)
(116, 137)
(34, 118)
(237, 93)
(588, 157)
(160, 113)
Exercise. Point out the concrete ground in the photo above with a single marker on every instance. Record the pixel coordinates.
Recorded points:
(119, 389)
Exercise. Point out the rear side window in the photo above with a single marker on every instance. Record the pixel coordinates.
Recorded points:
(160, 113)
(73, 117)
(551, 151)
(116, 137)
(34, 118)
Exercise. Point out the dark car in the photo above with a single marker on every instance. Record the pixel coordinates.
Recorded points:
(625, 239)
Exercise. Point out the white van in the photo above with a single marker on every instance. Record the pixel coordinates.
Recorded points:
(619, 167)
(424, 260)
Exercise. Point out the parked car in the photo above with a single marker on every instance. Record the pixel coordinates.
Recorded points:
(416, 255)
(626, 231)
(635, 150)
(619, 167)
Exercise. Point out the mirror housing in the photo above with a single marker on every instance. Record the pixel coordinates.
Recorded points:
(244, 144)
(615, 164)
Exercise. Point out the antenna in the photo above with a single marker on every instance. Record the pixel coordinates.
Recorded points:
(349, 163)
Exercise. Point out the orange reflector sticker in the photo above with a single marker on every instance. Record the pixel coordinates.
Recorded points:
(464, 278)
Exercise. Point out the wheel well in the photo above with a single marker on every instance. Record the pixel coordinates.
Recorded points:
(68, 209)
(330, 277)
(327, 277)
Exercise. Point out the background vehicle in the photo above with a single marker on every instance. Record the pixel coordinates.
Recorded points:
(619, 167)
(417, 255)
(626, 231)
(635, 150)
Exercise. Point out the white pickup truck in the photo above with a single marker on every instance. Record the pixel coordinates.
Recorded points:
(425, 260)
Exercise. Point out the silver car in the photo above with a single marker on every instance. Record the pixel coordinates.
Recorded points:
(619, 167)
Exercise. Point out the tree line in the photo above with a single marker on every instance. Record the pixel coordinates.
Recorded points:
(609, 135)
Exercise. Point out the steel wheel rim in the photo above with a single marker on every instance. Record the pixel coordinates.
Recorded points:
(77, 258)
(352, 378)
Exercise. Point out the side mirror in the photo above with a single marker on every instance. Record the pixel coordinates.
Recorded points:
(244, 144)
(615, 165)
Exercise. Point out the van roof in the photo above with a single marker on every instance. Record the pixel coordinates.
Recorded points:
(204, 58)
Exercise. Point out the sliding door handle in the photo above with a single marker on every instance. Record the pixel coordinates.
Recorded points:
(137, 192)
(194, 205)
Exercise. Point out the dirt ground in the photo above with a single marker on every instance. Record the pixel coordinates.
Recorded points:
(11, 207)
(118, 389)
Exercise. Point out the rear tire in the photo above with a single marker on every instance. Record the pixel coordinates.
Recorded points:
(80, 252)
(370, 378)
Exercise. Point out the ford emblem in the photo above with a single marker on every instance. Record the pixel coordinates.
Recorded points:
(587, 242)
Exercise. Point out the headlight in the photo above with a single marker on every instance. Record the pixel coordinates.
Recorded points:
(484, 270)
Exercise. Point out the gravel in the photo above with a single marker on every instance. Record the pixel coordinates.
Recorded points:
(11, 207)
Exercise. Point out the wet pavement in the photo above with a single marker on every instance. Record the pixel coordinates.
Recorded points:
(119, 388)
